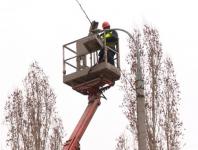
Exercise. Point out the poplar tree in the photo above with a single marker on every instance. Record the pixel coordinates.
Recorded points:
(161, 91)
(31, 116)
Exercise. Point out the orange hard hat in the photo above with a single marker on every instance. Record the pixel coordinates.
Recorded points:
(105, 25)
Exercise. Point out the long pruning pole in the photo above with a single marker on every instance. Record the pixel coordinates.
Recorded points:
(83, 11)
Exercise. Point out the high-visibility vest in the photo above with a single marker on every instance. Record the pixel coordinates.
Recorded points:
(106, 36)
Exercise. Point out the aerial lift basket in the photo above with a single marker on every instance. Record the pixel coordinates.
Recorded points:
(81, 69)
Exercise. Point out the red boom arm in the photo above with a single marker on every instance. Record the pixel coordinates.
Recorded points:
(73, 142)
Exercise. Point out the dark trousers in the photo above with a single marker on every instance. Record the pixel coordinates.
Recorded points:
(110, 56)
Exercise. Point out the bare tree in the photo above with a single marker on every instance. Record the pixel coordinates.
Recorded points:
(14, 118)
(30, 114)
(153, 80)
(159, 95)
(122, 142)
(57, 135)
(172, 125)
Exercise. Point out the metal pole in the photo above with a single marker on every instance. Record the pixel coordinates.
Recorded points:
(64, 69)
(142, 134)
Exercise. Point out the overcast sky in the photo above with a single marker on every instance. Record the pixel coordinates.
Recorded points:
(36, 30)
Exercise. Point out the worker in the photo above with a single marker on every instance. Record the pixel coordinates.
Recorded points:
(111, 39)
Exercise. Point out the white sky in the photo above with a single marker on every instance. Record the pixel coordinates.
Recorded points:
(36, 30)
